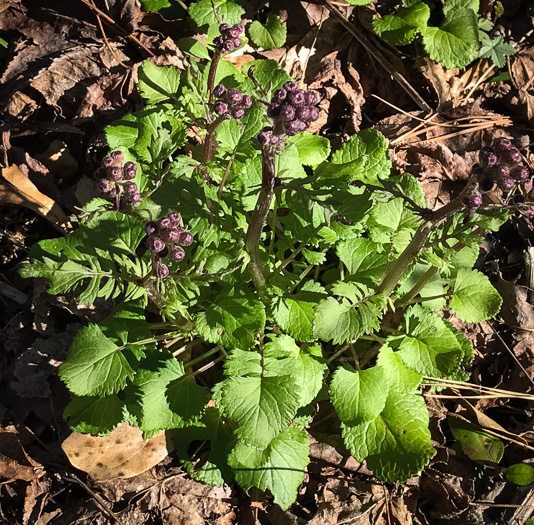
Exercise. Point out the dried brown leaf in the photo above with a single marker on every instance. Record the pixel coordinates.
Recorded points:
(17, 188)
(123, 454)
(522, 76)
(12, 469)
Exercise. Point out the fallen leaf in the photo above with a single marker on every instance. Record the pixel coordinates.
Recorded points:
(12, 469)
(122, 454)
(58, 159)
(522, 77)
(19, 189)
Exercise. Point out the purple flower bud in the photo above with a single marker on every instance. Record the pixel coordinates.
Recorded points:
(234, 31)
(487, 157)
(499, 170)
(511, 156)
(276, 139)
(161, 270)
(295, 98)
(220, 108)
(287, 112)
(186, 238)
(526, 184)
(486, 184)
(265, 136)
(178, 254)
(165, 223)
(151, 227)
(273, 110)
(291, 86)
(228, 46)
(246, 102)
(175, 218)
(131, 188)
(118, 157)
(130, 170)
(303, 113)
(107, 162)
(234, 97)
(505, 183)
(313, 114)
(529, 212)
(135, 198)
(279, 96)
(115, 173)
(237, 42)
(170, 236)
(105, 185)
(223, 27)
(237, 113)
(293, 127)
(475, 201)
(519, 172)
(310, 98)
(155, 244)
(219, 91)
(112, 193)
(502, 145)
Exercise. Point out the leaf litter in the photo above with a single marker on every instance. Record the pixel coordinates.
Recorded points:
(61, 72)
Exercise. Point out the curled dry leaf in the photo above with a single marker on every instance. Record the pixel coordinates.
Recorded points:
(17, 188)
(122, 454)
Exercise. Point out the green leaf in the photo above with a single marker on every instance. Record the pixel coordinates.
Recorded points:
(154, 5)
(165, 398)
(94, 415)
(451, 5)
(260, 396)
(312, 149)
(400, 29)
(496, 49)
(279, 467)
(455, 43)
(157, 83)
(399, 376)
(295, 314)
(358, 395)
(193, 47)
(396, 445)
(207, 12)
(361, 257)
(344, 321)
(520, 474)
(270, 35)
(95, 365)
(363, 157)
(478, 445)
(122, 134)
(429, 347)
(268, 73)
(474, 298)
(233, 320)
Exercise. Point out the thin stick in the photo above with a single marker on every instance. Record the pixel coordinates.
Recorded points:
(116, 26)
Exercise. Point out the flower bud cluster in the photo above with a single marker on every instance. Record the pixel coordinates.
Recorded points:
(229, 39)
(502, 165)
(230, 102)
(115, 180)
(292, 111)
(166, 237)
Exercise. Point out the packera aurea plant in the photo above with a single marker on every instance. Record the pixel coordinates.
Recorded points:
(226, 226)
